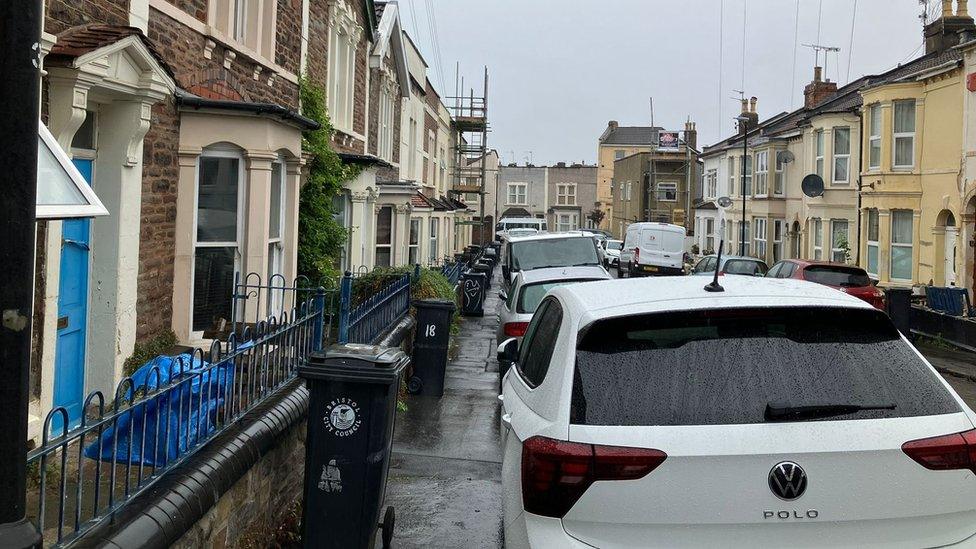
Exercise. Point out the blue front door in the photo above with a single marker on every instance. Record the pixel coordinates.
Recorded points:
(69, 361)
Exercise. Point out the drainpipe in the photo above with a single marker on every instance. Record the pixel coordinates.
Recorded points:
(860, 157)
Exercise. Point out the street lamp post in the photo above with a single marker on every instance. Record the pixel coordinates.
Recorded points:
(20, 35)
(744, 124)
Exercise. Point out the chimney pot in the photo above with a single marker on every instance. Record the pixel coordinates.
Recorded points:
(817, 74)
(946, 8)
(752, 104)
(613, 124)
(962, 9)
(745, 105)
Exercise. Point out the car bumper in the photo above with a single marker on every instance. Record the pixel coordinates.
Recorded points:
(528, 530)
(656, 270)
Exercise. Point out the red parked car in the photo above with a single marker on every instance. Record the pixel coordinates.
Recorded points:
(846, 278)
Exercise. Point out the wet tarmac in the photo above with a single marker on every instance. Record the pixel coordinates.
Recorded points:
(445, 473)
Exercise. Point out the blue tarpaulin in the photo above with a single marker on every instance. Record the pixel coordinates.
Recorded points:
(162, 427)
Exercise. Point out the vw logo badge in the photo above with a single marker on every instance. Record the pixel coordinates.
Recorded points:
(787, 480)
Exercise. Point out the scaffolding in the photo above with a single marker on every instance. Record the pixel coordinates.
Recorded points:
(470, 113)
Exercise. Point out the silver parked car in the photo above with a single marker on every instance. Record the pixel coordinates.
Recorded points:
(529, 287)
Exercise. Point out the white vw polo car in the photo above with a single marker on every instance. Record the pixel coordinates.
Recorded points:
(775, 413)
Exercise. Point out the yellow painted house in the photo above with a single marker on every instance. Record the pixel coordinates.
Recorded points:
(911, 172)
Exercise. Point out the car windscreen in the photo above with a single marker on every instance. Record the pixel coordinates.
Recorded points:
(719, 367)
(837, 275)
(554, 252)
(614, 244)
(744, 267)
(532, 294)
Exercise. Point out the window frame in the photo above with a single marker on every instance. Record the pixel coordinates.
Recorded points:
(834, 248)
(760, 236)
(432, 252)
(892, 244)
(732, 188)
(747, 183)
(762, 171)
(669, 184)
(276, 246)
(515, 186)
(845, 157)
(816, 227)
(566, 194)
(241, 225)
(779, 226)
(413, 241)
(874, 139)
(779, 176)
(387, 246)
(711, 183)
(896, 135)
(818, 152)
(874, 222)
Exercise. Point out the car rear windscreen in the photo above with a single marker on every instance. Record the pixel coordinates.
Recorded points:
(836, 275)
(554, 252)
(744, 267)
(719, 367)
(532, 294)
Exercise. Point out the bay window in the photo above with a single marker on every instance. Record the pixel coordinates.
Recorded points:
(384, 237)
(413, 244)
(762, 170)
(567, 222)
(904, 133)
(779, 176)
(711, 184)
(842, 155)
(874, 141)
(818, 152)
(433, 253)
(216, 254)
(731, 176)
(838, 240)
(778, 230)
(901, 245)
(709, 234)
(816, 225)
(873, 226)
(276, 253)
(760, 237)
(747, 185)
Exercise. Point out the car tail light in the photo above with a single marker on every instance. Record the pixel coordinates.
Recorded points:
(637, 255)
(946, 452)
(515, 329)
(556, 473)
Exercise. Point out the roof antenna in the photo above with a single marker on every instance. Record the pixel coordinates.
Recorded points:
(714, 286)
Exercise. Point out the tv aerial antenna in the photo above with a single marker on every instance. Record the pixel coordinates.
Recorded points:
(817, 48)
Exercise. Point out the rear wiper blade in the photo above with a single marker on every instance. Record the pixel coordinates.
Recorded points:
(786, 412)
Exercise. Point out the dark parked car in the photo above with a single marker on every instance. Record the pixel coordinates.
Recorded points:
(731, 265)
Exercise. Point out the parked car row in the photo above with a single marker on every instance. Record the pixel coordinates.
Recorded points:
(807, 411)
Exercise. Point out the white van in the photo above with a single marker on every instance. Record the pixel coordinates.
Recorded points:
(652, 249)
(507, 223)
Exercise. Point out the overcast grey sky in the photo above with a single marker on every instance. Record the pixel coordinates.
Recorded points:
(560, 69)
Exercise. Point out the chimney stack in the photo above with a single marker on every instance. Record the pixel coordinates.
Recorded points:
(946, 31)
(691, 135)
(819, 90)
(612, 124)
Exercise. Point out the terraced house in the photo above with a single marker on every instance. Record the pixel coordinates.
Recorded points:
(897, 198)
(184, 117)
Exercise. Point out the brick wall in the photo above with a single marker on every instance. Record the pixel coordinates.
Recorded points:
(196, 8)
(182, 48)
(63, 14)
(288, 43)
(157, 239)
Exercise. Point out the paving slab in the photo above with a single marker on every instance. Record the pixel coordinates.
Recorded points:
(445, 472)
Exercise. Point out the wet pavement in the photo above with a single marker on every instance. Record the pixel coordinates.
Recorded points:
(445, 473)
(958, 367)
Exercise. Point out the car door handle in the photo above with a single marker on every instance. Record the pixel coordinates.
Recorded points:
(507, 420)
(80, 244)
(501, 398)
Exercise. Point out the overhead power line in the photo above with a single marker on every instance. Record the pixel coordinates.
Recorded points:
(796, 41)
(850, 48)
(435, 42)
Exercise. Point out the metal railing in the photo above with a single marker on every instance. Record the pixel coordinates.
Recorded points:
(453, 272)
(165, 411)
(364, 322)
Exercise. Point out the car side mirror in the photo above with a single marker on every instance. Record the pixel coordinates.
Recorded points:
(508, 351)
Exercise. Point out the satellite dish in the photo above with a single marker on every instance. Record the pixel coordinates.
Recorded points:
(785, 157)
(724, 201)
(812, 185)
